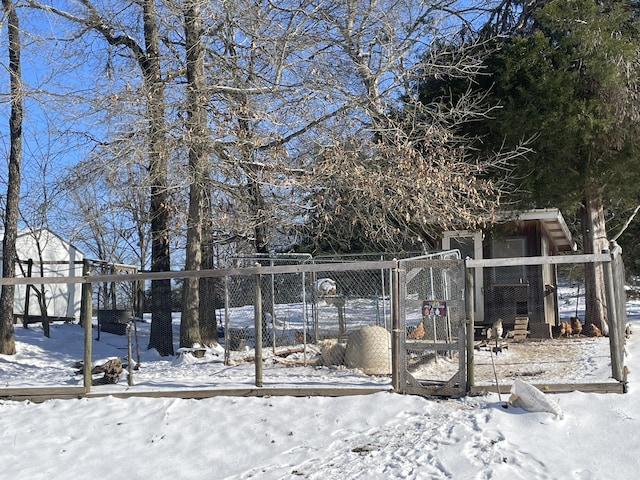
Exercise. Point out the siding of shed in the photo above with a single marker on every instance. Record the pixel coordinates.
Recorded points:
(63, 300)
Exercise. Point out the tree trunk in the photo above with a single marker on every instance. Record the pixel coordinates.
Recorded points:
(7, 338)
(198, 168)
(208, 290)
(161, 336)
(595, 240)
(258, 208)
(42, 293)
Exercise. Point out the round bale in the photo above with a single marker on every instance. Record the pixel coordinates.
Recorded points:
(369, 349)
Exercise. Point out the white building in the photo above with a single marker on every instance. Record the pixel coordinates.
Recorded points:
(42, 253)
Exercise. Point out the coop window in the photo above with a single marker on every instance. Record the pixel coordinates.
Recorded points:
(464, 244)
(509, 248)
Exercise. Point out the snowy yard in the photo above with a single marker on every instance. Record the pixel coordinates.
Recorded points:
(377, 436)
(52, 362)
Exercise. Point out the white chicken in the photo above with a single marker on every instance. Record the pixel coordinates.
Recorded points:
(324, 287)
(497, 329)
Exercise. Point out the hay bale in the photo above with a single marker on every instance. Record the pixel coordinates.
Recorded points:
(369, 349)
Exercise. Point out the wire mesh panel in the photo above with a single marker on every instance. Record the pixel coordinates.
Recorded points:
(535, 322)
(283, 308)
(301, 324)
(114, 302)
(336, 324)
(319, 321)
(432, 323)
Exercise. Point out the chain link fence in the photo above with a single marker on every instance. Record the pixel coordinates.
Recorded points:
(286, 322)
(310, 318)
(296, 323)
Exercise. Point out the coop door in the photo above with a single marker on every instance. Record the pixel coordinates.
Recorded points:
(469, 242)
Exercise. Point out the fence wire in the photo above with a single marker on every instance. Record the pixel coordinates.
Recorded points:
(330, 324)
(530, 324)
(311, 319)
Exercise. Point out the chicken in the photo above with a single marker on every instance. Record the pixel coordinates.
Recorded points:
(301, 337)
(576, 325)
(416, 333)
(497, 328)
(566, 330)
(325, 286)
(593, 331)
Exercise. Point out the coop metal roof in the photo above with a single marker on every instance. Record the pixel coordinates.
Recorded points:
(552, 221)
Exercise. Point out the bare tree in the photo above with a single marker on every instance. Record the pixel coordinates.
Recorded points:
(256, 61)
(294, 110)
(108, 219)
(148, 58)
(398, 171)
(314, 115)
(9, 256)
(197, 138)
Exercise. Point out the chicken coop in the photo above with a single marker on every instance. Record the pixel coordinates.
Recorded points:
(520, 292)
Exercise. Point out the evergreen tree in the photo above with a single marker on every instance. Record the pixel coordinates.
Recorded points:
(570, 84)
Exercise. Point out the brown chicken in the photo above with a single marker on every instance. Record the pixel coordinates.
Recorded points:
(566, 330)
(417, 333)
(593, 331)
(576, 325)
(302, 338)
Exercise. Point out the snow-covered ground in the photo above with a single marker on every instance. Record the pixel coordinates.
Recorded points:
(42, 362)
(378, 436)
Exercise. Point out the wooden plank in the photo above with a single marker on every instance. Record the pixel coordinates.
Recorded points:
(418, 345)
(9, 391)
(20, 318)
(612, 387)
(433, 391)
(213, 273)
(546, 260)
(520, 328)
(247, 392)
(40, 394)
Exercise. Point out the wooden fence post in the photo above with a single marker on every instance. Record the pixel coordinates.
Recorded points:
(395, 330)
(257, 321)
(85, 320)
(469, 303)
(612, 318)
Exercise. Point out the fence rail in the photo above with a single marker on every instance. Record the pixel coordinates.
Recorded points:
(214, 273)
(409, 325)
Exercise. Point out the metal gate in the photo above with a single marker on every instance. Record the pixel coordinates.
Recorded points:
(431, 320)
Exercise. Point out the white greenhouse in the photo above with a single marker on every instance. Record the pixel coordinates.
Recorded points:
(42, 253)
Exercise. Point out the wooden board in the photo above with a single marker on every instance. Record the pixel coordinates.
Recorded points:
(520, 329)
(41, 394)
(612, 387)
